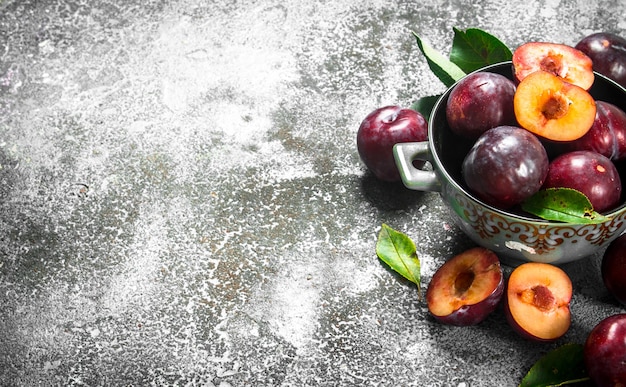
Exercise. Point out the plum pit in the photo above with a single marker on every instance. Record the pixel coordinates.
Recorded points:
(553, 63)
(555, 107)
(463, 282)
(539, 296)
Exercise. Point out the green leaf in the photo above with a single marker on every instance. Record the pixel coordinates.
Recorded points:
(475, 48)
(425, 105)
(442, 67)
(559, 367)
(563, 205)
(398, 251)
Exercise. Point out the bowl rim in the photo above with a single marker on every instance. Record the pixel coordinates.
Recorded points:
(611, 215)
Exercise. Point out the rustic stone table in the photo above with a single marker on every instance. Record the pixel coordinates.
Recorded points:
(182, 204)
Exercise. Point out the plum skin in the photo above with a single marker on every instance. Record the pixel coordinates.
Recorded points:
(506, 165)
(613, 269)
(608, 54)
(380, 130)
(590, 173)
(607, 135)
(604, 352)
(479, 102)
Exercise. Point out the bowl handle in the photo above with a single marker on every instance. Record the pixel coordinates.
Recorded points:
(412, 177)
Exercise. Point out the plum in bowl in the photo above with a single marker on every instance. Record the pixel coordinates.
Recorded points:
(514, 235)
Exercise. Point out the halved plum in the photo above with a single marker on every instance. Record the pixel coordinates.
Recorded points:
(552, 108)
(466, 288)
(537, 301)
(566, 62)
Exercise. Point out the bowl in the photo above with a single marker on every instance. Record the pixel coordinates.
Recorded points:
(515, 237)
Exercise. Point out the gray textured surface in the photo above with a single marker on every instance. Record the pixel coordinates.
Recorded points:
(181, 201)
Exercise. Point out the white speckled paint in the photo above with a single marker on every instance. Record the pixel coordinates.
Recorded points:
(181, 202)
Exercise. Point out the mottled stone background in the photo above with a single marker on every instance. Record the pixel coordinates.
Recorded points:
(181, 201)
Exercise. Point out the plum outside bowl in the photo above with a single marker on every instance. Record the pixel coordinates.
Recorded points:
(514, 237)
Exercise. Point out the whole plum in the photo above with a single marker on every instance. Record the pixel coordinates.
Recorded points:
(505, 166)
(380, 130)
(607, 135)
(608, 54)
(479, 102)
(613, 268)
(590, 173)
(604, 352)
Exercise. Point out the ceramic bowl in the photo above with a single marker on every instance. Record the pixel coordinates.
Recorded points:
(515, 237)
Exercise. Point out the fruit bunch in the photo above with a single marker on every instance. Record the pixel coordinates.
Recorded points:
(535, 297)
(547, 105)
(470, 286)
(540, 129)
